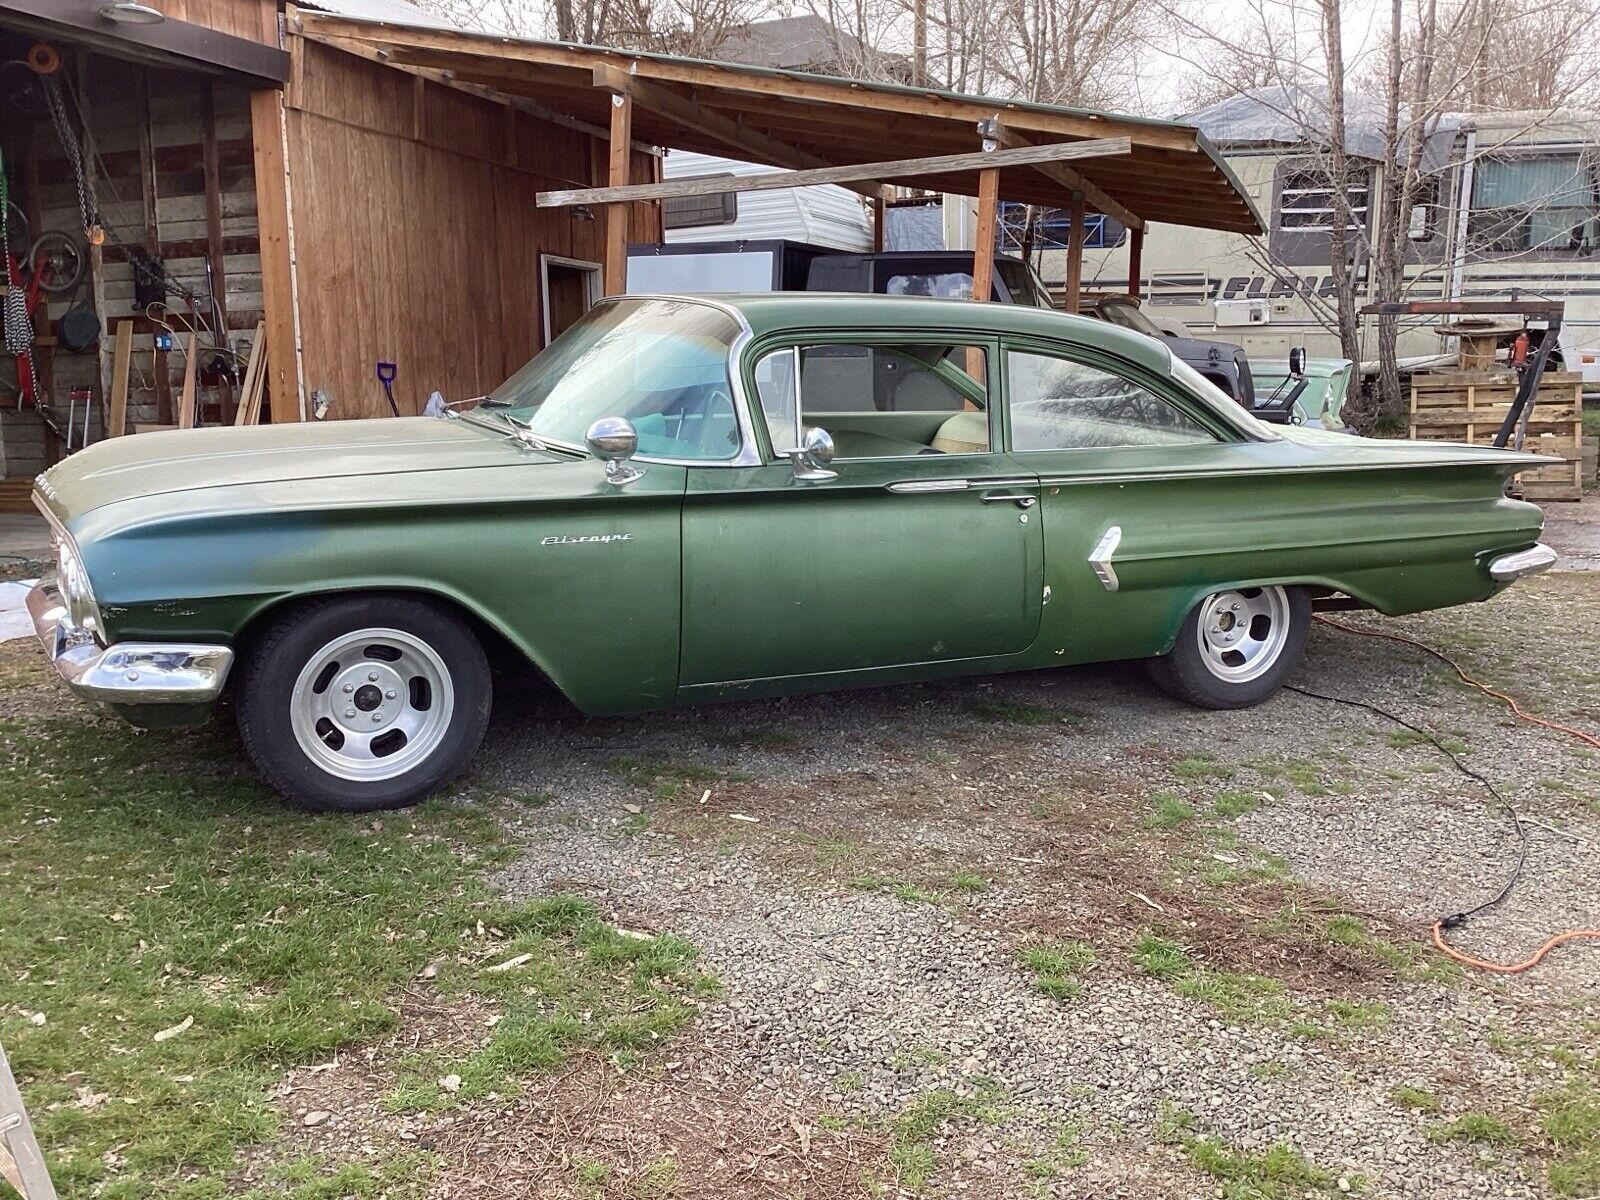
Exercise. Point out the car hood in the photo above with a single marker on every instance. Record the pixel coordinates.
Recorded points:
(151, 464)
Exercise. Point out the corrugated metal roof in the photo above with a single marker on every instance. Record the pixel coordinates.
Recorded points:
(398, 12)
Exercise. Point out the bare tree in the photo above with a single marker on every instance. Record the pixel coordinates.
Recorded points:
(692, 27)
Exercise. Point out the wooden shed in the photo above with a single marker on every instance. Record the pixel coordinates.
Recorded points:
(393, 191)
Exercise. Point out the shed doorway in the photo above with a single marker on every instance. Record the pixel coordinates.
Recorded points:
(570, 287)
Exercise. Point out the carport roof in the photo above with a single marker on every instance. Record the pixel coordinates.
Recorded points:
(792, 118)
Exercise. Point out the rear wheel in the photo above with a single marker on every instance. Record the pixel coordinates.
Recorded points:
(364, 703)
(1236, 647)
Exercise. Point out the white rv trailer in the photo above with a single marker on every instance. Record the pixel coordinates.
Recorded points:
(825, 215)
(1512, 203)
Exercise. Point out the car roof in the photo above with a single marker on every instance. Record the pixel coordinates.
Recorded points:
(776, 312)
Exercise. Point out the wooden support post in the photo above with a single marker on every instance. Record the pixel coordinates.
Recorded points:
(880, 214)
(215, 257)
(1074, 290)
(191, 367)
(986, 238)
(121, 364)
(617, 175)
(1135, 261)
(277, 265)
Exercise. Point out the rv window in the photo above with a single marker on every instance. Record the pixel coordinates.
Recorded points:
(1546, 202)
(1306, 200)
(693, 212)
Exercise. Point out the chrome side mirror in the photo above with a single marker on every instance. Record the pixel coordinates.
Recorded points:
(812, 456)
(614, 440)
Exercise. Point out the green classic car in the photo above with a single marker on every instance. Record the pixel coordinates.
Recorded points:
(688, 499)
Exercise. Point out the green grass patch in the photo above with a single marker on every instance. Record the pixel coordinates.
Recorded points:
(1359, 1014)
(402, 1177)
(154, 885)
(1238, 997)
(1278, 1173)
(1475, 1127)
(1161, 957)
(1416, 1099)
(1167, 811)
(1227, 805)
(912, 1133)
(1413, 962)
(585, 985)
(968, 882)
(1305, 776)
(1201, 766)
(1570, 1122)
(909, 892)
(1066, 1154)
(1057, 965)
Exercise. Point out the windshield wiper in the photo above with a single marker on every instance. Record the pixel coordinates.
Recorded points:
(511, 427)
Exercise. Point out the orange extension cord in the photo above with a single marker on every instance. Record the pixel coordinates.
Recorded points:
(1440, 926)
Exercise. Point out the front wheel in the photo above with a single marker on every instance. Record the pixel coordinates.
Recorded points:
(364, 703)
(1236, 648)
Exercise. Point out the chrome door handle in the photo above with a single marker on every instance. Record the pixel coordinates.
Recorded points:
(1020, 499)
(920, 487)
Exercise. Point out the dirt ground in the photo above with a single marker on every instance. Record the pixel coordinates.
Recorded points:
(1054, 934)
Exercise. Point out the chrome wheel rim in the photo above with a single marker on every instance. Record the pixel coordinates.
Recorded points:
(372, 705)
(1242, 633)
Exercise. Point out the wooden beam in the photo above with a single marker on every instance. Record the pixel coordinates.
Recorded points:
(409, 44)
(1135, 261)
(277, 267)
(983, 244)
(665, 101)
(997, 130)
(880, 217)
(1074, 288)
(909, 168)
(121, 364)
(191, 367)
(620, 157)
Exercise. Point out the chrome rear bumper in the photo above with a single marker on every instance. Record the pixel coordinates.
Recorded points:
(127, 673)
(1531, 561)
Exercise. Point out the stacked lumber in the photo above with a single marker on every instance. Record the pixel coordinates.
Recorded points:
(1469, 406)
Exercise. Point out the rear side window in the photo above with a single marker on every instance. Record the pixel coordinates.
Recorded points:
(1059, 404)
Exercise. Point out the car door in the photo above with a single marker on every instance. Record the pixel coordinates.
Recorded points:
(919, 546)
(1145, 496)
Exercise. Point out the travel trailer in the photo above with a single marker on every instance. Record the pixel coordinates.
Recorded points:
(1511, 204)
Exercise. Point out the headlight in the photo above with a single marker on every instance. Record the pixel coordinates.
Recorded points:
(73, 581)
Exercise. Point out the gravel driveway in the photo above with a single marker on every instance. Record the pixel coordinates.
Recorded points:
(1053, 934)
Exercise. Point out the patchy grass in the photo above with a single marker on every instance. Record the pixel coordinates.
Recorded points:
(583, 985)
(1570, 1122)
(1167, 812)
(1199, 767)
(755, 738)
(1226, 805)
(1238, 997)
(909, 892)
(968, 882)
(1279, 1173)
(1057, 965)
(1306, 777)
(402, 1177)
(1359, 1014)
(1413, 962)
(1066, 1154)
(1014, 712)
(912, 1133)
(1476, 1127)
(671, 778)
(151, 889)
(1416, 1099)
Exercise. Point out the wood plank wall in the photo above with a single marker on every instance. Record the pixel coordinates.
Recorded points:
(417, 240)
(173, 133)
(253, 19)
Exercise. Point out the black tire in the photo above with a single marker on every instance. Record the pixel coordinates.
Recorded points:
(267, 697)
(1186, 672)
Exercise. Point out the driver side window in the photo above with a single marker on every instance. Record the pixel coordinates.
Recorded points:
(879, 400)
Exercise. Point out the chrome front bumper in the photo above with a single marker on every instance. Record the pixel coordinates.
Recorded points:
(1531, 561)
(127, 673)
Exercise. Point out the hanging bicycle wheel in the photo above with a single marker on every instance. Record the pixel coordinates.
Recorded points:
(58, 257)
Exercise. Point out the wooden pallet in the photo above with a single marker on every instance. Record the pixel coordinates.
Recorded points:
(1470, 406)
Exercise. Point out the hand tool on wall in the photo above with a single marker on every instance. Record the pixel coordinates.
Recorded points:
(386, 376)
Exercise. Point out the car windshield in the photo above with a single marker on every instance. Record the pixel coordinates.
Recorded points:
(1120, 312)
(662, 364)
